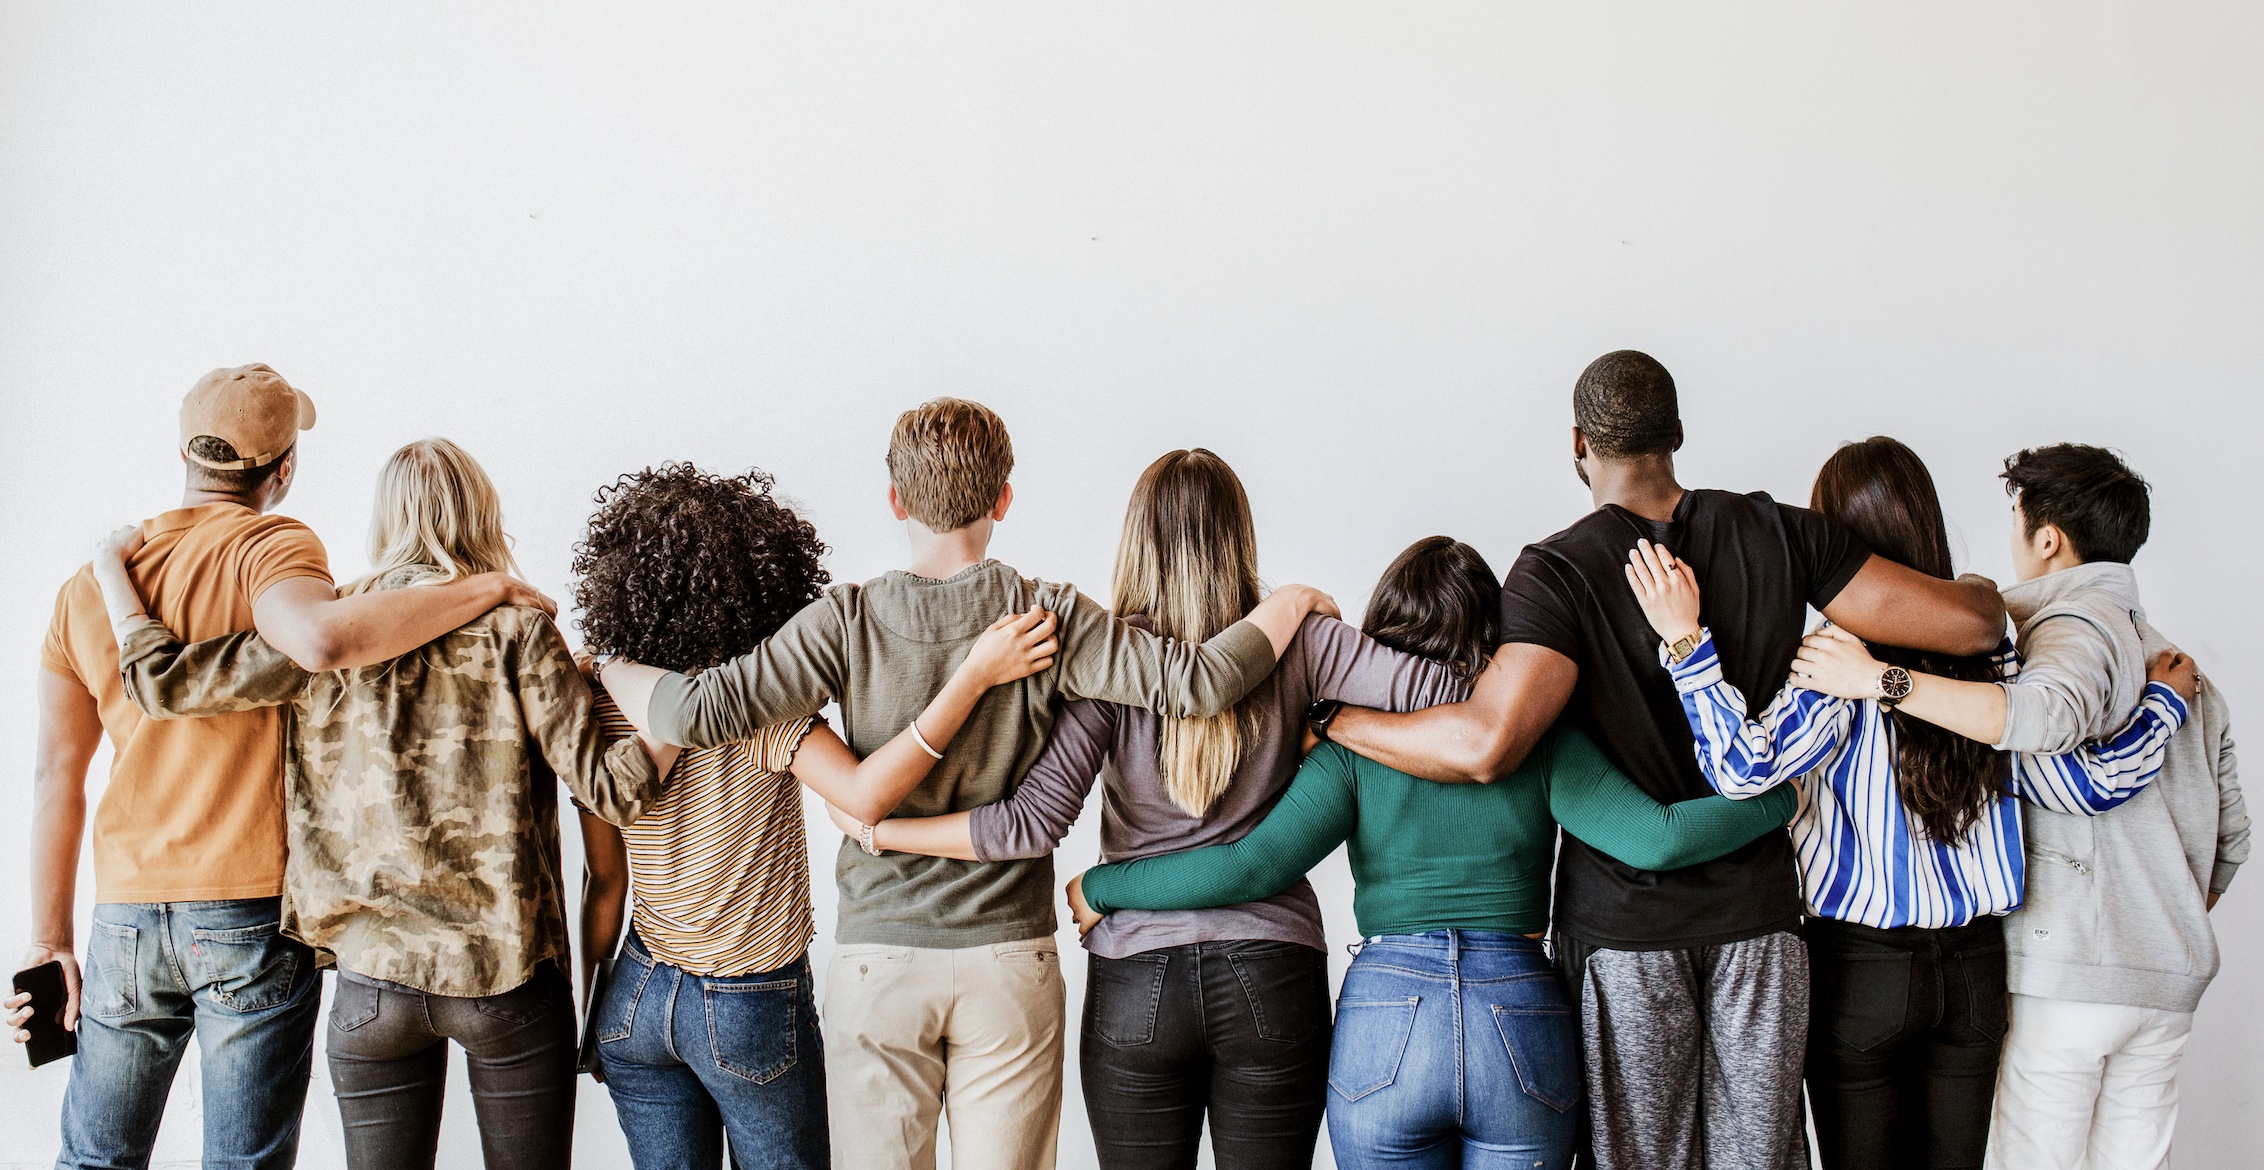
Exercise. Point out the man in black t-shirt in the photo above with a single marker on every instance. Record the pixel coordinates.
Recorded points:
(1693, 984)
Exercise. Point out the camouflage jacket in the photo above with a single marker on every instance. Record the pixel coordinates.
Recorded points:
(422, 808)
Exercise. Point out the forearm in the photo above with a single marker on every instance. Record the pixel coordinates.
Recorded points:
(886, 777)
(1975, 710)
(1897, 605)
(58, 824)
(603, 908)
(1105, 657)
(949, 835)
(339, 633)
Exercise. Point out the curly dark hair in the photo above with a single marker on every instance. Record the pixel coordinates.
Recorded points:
(684, 570)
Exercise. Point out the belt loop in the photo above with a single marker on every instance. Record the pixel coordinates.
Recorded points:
(1453, 946)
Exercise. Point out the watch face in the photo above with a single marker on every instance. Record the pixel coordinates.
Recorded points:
(1895, 682)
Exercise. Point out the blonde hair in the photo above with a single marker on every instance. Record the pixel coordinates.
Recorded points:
(949, 459)
(435, 509)
(1189, 563)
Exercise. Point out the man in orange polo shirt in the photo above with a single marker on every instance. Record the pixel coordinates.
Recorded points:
(188, 837)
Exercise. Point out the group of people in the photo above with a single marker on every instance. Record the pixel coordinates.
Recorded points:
(1956, 883)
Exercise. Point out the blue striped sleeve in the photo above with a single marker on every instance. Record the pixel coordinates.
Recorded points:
(2102, 774)
(1744, 757)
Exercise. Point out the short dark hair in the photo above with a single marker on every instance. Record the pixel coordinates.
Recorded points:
(1625, 403)
(1438, 600)
(685, 570)
(2088, 493)
(234, 482)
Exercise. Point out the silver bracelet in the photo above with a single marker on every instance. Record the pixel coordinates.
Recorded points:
(865, 840)
(923, 741)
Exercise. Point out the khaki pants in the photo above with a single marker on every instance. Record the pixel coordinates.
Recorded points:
(912, 1031)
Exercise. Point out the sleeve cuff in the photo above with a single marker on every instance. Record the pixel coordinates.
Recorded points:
(1098, 884)
(2175, 709)
(2220, 878)
(146, 636)
(667, 710)
(1701, 670)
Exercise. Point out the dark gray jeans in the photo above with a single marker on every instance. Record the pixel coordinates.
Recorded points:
(389, 1064)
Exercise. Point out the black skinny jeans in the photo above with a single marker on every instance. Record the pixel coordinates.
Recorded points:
(1903, 1042)
(1240, 1029)
(389, 1065)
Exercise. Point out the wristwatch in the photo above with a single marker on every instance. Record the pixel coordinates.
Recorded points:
(1894, 686)
(1318, 715)
(1684, 646)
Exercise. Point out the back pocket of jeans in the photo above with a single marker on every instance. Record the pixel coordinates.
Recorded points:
(1862, 999)
(246, 968)
(751, 1027)
(1122, 996)
(1371, 1037)
(1287, 987)
(116, 988)
(1985, 991)
(1544, 1048)
(353, 1003)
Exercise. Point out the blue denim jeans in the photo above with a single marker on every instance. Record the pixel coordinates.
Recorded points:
(689, 1058)
(155, 975)
(1454, 1048)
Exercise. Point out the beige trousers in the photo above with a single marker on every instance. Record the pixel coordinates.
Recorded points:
(913, 1031)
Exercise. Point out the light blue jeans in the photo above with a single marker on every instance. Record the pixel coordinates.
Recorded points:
(1454, 1048)
(155, 975)
(690, 1058)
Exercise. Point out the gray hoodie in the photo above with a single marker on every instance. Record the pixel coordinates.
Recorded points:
(2116, 905)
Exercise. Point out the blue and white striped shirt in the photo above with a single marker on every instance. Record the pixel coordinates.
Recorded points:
(1862, 859)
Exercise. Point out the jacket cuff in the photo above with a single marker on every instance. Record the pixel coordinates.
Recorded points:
(146, 636)
(2220, 878)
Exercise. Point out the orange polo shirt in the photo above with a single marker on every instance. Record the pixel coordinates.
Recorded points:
(194, 810)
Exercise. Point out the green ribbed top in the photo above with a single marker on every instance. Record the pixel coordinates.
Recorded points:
(1429, 856)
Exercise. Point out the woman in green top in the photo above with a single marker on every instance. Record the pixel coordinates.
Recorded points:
(1452, 892)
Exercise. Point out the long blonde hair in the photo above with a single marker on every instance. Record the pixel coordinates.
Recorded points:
(1189, 564)
(435, 508)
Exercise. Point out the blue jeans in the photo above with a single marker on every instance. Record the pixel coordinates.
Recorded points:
(1454, 1048)
(157, 973)
(689, 1058)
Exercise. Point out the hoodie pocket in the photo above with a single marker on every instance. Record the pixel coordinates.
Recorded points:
(2059, 919)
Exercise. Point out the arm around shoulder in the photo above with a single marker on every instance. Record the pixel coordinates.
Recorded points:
(1900, 606)
(1478, 740)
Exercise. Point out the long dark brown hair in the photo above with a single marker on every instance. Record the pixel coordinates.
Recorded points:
(1881, 491)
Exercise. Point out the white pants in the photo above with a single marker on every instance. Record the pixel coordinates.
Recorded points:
(2087, 1086)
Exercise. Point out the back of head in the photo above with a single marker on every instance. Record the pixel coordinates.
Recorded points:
(949, 460)
(1625, 403)
(237, 426)
(684, 570)
(1438, 600)
(436, 509)
(1188, 562)
(2088, 493)
(1881, 490)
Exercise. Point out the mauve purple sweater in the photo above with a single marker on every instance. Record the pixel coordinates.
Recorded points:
(1326, 660)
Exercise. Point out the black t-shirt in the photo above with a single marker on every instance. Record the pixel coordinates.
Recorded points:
(1760, 564)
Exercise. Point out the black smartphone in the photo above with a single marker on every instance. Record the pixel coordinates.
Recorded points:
(50, 1040)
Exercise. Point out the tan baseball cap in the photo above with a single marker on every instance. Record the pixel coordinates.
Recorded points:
(252, 409)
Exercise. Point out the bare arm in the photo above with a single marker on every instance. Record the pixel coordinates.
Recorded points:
(1016, 646)
(70, 729)
(605, 893)
(1835, 662)
(1479, 740)
(1900, 606)
(306, 619)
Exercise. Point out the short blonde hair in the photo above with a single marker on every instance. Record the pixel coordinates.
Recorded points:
(948, 460)
(435, 508)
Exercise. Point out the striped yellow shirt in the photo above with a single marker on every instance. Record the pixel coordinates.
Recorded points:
(719, 866)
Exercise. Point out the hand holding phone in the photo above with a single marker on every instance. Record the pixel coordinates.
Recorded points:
(44, 1010)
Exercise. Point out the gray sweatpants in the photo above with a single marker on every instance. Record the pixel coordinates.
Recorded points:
(1694, 1056)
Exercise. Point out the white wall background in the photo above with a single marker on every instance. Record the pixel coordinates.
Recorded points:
(1360, 250)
